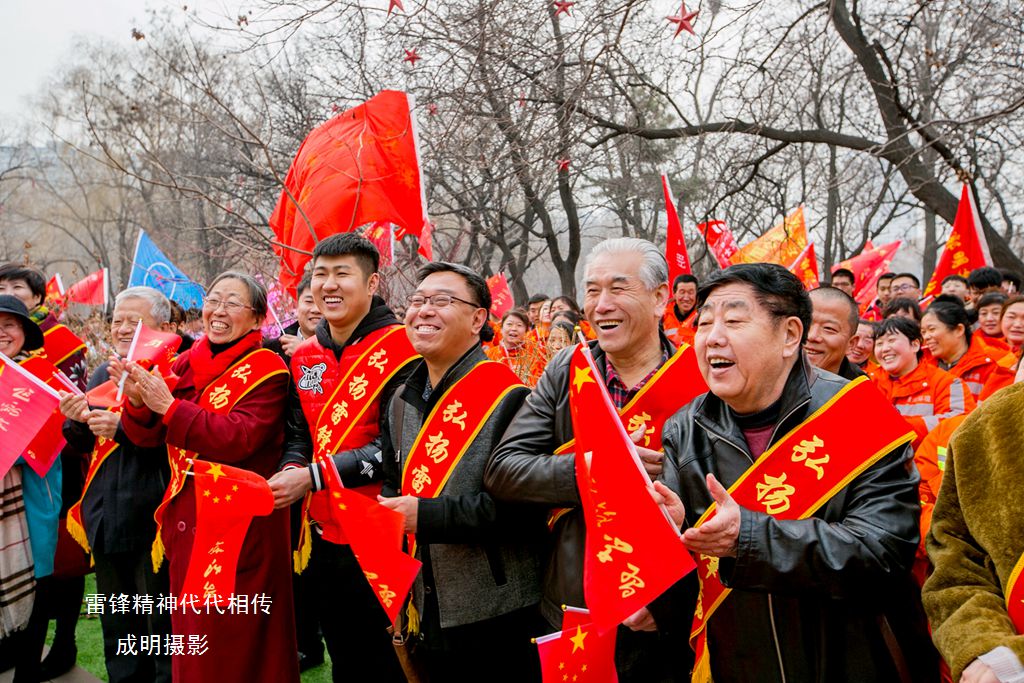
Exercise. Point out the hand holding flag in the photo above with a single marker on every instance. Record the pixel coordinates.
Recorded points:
(579, 652)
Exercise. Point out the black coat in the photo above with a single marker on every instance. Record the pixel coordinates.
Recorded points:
(824, 599)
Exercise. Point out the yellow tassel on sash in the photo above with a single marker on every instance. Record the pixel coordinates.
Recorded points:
(300, 557)
(157, 553)
(78, 533)
(702, 669)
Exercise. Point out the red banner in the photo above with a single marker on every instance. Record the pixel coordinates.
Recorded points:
(27, 408)
(675, 245)
(720, 241)
(966, 248)
(91, 290)
(579, 652)
(501, 295)
(782, 244)
(867, 266)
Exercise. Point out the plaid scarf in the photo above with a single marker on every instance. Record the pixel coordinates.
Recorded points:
(39, 314)
(17, 574)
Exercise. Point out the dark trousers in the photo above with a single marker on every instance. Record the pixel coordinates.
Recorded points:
(351, 618)
(131, 573)
(27, 644)
(497, 649)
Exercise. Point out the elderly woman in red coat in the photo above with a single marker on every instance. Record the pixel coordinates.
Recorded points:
(227, 406)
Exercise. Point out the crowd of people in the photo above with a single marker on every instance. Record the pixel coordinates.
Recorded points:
(891, 553)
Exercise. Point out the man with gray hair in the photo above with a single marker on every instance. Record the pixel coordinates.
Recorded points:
(625, 292)
(125, 486)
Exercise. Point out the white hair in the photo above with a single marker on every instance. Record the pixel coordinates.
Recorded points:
(159, 306)
(653, 268)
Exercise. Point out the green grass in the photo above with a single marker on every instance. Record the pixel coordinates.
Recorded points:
(89, 638)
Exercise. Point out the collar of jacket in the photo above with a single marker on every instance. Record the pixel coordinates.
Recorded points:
(377, 317)
(598, 353)
(412, 392)
(716, 418)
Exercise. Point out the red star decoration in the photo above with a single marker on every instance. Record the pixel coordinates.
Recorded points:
(393, 4)
(684, 20)
(562, 6)
(432, 108)
(563, 164)
(411, 57)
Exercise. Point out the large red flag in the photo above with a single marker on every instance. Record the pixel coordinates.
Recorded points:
(867, 266)
(720, 241)
(227, 498)
(92, 290)
(633, 552)
(30, 423)
(782, 244)
(675, 245)
(805, 267)
(359, 167)
(966, 248)
(579, 652)
(501, 295)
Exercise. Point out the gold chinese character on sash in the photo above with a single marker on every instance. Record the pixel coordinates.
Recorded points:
(699, 611)
(323, 437)
(387, 595)
(420, 478)
(640, 422)
(451, 414)
(209, 589)
(213, 568)
(806, 448)
(340, 410)
(378, 359)
(437, 448)
(616, 544)
(604, 515)
(220, 396)
(23, 393)
(357, 387)
(217, 548)
(712, 566)
(10, 409)
(630, 580)
(774, 494)
(242, 372)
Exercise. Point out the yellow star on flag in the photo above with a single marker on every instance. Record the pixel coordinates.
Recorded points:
(577, 640)
(581, 377)
(215, 471)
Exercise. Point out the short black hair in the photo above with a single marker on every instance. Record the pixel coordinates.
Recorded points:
(572, 316)
(844, 272)
(350, 244)
(177, 312)
(905, 326)
(985, 277)
(519, 313)
(305, 283)
(902, 303)
(990, 299)
(917, 281)
(474, 281)
(569, 301)
(1012, 277)
(836, 294)
(685, 277)
(950, 312)
(537, 299)
(32, 277)
(775, 288)
(885, 276)
(954, 278)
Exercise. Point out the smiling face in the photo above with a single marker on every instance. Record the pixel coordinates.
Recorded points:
(905, 287)
(896, 353)
(829, 336)
(1012, 325)
(234, 317)
(988, 319)
(945, 344)
(12, 335)
(685, 295)
(126, 317)
(341, 290)
(862, 344)
(619, 306)
(443, 335)
(21, 290)
(513, 332)
(307, 313)
(744, 352)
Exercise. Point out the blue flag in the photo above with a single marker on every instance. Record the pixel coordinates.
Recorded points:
(152, 268)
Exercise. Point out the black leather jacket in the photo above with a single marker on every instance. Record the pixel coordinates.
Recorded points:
(824, 599)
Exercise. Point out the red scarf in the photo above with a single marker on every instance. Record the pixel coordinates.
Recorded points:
(208, 366)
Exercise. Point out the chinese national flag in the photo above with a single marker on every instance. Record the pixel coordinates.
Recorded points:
(966, 248)
(579, 652)
(805, 267)
(153, 348)
(782, 244)
(375, 534)
(55, 291)
(227, 498)
(867, 266)
(91, 290)
(720, 241)
(383, 237)
(104, 395)
(675, 245)
(426, 242)
(501, 295)
(633, 552)
(361, 166)
(30, 422)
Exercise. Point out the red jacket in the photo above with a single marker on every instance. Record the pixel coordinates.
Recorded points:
(925, 396)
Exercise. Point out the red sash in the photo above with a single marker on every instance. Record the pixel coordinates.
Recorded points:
(1015, 597)
(797, 476)
(60, 343)
(219, 396)
(100, 452)
(354, 394)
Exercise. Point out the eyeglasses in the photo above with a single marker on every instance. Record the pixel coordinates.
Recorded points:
(436, 300)
(902, 288)
(229, 306)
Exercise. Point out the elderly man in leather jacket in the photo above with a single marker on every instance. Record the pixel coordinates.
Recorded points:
(626, 284)
(828, 598)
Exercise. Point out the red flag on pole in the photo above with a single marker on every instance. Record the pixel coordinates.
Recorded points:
(805, 267)
(720, 241)
(227, 498)
(92, 290)
(359, 167)
(501, 295)
(782, 244)
(426, 241)
(866, 267)
(153, 348)
(633, 552)
(28, 413)
(675, 245)
(966, 248)
(579, 652)
(55, 290)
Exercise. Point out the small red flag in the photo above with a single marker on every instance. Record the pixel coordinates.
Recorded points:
(805, 267)
(227, 498)
(501, 295)
(92, 290)
(55, 291)
(579, 652)
(675, 245)
(966, 248)
(633, 552)
(30, 422)
(153, 348)
(720, 241)
(426, 241)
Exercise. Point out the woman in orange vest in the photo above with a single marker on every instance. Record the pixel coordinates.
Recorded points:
(946, 331)
(517, 350)
(990, 309)
(921, 392)
(1011, 321)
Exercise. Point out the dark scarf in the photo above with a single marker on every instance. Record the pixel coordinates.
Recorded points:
(210, 361)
